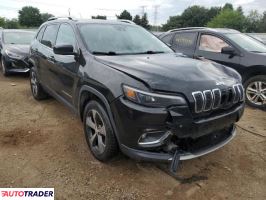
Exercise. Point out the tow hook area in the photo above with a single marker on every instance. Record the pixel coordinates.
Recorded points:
(175, 162)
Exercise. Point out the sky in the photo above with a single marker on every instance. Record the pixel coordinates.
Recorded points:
(88, 8)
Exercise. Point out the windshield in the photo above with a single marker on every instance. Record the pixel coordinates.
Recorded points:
(248, 43)
(18, 37)
(113, 39)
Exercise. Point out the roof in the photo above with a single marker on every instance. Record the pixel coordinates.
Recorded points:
(219, 30)
(92, 21)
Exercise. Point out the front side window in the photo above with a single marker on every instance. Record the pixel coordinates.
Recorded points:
(184, 40)
(212, 43)
(40, 34)
(18, 37)
(120, 39)
(66, 36)
(49, 35)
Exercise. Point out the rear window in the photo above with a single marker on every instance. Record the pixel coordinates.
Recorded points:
(49, 35)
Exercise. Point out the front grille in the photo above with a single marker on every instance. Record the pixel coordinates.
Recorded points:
(214, 99)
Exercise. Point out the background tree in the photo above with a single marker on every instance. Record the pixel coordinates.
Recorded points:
(46, 16)
(228, 19)
(195, 16)
(262, 26)
(30, 16)
(253, 22)
(2, 22)
(137, 20)
(125, 15)
(172, 23)
(12, 24)
(144, 22)
(99, 17)
(213, 12)
(228, 6)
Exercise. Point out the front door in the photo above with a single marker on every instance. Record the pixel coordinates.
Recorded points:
(210, 47)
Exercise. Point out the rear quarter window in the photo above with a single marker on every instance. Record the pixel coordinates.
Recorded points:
(184, 41)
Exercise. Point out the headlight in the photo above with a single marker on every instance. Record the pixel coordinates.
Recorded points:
(12, 54)
(151, 99)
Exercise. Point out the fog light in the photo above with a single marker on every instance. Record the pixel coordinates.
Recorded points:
(154, 139)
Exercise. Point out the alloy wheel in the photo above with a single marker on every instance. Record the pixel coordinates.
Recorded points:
(33, 82)
(97, 131)
(256, 92)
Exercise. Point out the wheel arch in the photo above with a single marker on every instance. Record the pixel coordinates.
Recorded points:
(254, 71)
(87, 94)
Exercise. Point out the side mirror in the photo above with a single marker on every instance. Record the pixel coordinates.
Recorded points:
(228, 50)
(64, 50)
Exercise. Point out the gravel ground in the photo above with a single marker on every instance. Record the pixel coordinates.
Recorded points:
(42, 145)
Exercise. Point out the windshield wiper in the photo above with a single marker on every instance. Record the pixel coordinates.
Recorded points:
(109, 53)
(150, 52)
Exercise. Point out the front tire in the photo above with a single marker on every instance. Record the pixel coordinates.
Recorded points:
(255, 90)
(37, 90)
(98, 132)
(4, 66)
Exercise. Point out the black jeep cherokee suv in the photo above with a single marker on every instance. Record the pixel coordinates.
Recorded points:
(133, 92)
(228, 47)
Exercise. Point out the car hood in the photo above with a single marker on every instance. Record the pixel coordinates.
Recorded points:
(172, 72)
(18, 49)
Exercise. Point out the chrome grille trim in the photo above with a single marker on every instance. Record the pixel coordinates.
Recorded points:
(213, 99)
(198, 110)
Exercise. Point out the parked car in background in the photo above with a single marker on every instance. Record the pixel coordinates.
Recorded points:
(230, 48)
(133, 92)
(14, 48)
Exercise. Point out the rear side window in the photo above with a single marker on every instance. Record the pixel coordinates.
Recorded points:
(167, 39)
(49, 35)
(40, 34)
(184, 41)
(66, 36)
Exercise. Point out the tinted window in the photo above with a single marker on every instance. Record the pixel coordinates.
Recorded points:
(212, 43)
(184, 40)
(167, 39)
(18, 37)
(49, 35)
(40, 34)
(66, 36)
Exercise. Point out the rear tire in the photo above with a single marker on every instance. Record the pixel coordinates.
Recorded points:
(98, 132)
(4, 67)
(37, 90)
(255, 90)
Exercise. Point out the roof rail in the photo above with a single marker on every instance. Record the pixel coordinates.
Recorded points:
(187, 28)
(126, 21)
(54, 18)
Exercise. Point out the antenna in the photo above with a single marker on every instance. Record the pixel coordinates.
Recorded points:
(69, 12)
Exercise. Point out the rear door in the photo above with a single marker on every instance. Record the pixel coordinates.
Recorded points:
(185, 42)
(66, 68)
(47, 60)
(210, 46)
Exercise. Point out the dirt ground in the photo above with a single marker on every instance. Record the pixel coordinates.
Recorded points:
(42, 145)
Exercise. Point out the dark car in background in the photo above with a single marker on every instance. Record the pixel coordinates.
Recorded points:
(227, 47)
(14, 50)
(133, 92)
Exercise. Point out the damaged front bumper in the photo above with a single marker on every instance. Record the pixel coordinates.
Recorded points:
(157, 134)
